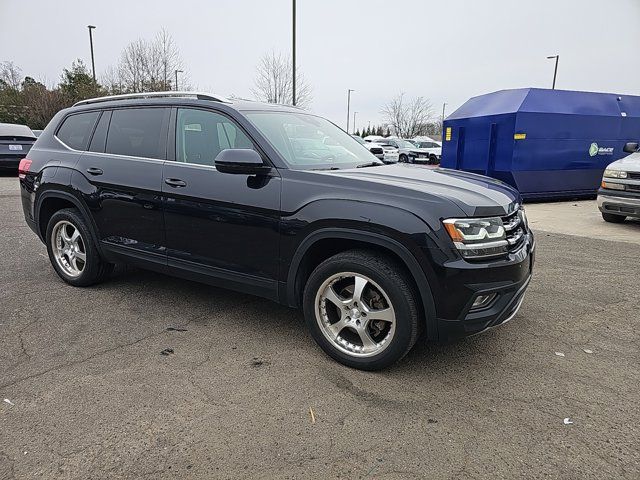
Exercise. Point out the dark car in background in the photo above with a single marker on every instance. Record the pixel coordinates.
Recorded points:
(15, 142)
(274, 201)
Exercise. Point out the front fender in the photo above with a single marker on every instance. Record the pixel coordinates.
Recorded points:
(397, 230)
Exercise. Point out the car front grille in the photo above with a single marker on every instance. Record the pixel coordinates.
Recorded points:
(516, 230)
(633, 175)
(376, 151)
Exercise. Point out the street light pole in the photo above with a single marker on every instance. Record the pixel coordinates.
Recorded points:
(443, 107)
(348, 105)
(555, 71)
(93, 63)
(177, 72)
(293, 58)
(354, 121)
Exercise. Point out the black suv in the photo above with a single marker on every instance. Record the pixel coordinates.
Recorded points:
(252, 197)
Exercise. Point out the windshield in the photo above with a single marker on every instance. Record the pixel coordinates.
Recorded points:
(307, 142)
(428, 145)
(405, 144)
(359, 140)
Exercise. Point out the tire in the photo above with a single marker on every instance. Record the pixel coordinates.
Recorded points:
(76, 260)
(611, 218)
(403, 158)
(387, 293)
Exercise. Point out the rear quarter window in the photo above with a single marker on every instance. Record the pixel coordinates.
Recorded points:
(76, 130)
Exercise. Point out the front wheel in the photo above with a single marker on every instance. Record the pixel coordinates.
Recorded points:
(361, 308)
(611, 218)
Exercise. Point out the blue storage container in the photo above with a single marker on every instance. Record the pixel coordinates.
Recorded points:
(546, 143)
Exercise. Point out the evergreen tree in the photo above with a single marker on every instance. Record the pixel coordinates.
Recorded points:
(77, 83)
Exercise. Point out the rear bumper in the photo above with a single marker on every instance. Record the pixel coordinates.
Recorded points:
(620, 203)
(12, 162)
(508, 282)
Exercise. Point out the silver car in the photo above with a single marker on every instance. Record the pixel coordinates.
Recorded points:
(619, 194)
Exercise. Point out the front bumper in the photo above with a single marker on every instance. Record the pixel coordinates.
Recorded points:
(619, 203)
(465, 281)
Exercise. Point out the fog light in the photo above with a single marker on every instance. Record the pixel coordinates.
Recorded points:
(483, 300)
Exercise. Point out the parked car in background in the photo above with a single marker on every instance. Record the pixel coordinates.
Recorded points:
(407, 151)
(432, 146)
(245, 195)
(391, 154)
(374, 148)
(15, 142)
(619, 194)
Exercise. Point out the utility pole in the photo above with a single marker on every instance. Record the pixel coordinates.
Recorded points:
(555, 71)
(348, 105)
(177, 72)
(93, 63)
(293, 57)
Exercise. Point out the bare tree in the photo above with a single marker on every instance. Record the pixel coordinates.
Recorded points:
(146, 66)
(10, 75)
(408, 118)
(274, 81)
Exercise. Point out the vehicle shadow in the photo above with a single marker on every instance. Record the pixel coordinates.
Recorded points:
(286, 329)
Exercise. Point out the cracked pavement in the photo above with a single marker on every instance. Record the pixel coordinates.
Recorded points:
(94, 398)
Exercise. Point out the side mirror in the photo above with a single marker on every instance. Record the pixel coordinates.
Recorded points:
(244, 161)
(630, 147)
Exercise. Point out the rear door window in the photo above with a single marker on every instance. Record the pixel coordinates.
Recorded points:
(76, 130)
(100, 135)
(138, 132)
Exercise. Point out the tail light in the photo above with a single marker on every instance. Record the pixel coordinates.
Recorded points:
(23, 168)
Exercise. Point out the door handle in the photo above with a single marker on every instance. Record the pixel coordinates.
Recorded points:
(175, 182)
(94, 171)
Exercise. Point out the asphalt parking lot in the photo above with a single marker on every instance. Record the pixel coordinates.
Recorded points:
(89, 394)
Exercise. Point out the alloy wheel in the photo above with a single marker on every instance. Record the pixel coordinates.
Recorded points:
(68, 248)
(355, 314)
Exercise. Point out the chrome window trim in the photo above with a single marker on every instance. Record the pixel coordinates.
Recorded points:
(109, 154)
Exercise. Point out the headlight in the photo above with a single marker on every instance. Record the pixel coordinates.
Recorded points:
(477, 237)
(610, 173)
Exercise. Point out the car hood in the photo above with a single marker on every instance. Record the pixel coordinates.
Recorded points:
(630, 163)
(476, 195)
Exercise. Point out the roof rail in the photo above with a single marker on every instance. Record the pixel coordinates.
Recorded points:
(131, 96)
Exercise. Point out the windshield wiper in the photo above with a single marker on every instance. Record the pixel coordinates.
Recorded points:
(326, 168)
(370, 164)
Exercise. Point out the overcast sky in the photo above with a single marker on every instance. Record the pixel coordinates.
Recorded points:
(444, 50)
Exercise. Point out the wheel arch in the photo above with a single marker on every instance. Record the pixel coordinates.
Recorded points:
(51, 201)
(341, 239)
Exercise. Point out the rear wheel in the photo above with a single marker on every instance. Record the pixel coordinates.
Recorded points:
(611, 218)
(403, 158)
(72, 251)
(361, 309)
